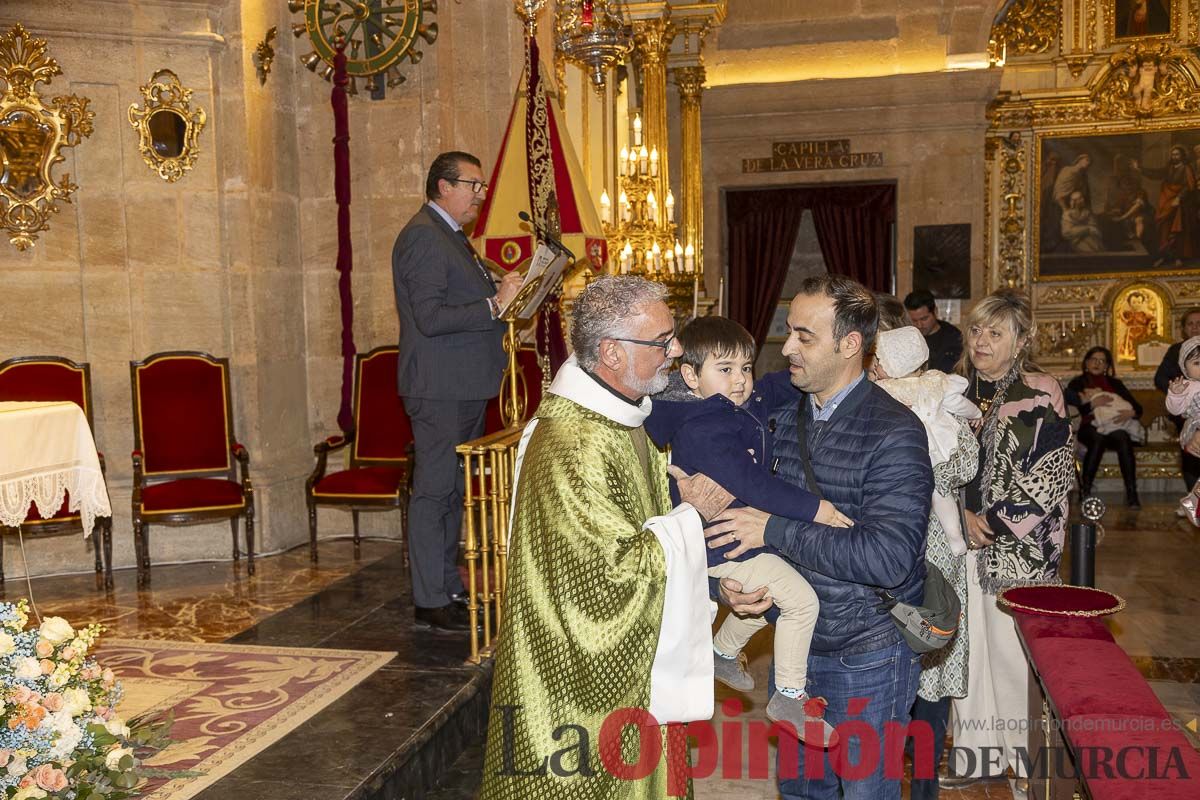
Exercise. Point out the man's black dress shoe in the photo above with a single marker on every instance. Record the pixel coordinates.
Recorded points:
(462, 599)
(443, 618)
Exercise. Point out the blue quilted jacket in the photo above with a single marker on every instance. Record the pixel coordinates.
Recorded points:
(871, 460)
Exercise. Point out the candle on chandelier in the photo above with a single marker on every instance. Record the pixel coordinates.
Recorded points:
(637, 130)
(1064, 327)
(626, 257)
(670, 208)
(624, 157)
(656, 253)
(677, 256)
(654, 163)
(605, 207)
(649, 261)
(623, 204)
(643, 161)
(652, 207)
(586, 17)
(689, 258)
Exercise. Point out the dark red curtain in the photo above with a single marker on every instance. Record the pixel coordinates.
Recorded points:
(345, 254)
(762, 235)
(854, 228)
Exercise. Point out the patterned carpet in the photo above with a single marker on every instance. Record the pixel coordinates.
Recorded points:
(230, 702)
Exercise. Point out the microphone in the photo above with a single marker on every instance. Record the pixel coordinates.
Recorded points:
(550, 240)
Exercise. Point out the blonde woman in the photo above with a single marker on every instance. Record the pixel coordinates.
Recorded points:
(1016, 512)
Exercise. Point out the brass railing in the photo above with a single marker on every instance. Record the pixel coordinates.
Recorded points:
(488, 463)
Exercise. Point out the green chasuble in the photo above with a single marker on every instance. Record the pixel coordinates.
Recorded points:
(582, 612)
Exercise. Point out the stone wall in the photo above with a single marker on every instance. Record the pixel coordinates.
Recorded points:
(237, 257)
(929, 127)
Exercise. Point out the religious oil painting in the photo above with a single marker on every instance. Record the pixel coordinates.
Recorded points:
(942, 260)
(1139, 314)
(1139, 19)
(1118, 204)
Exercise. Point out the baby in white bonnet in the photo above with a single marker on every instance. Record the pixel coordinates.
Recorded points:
(936, 398)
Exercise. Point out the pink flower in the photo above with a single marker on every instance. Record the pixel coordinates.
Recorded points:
(27, 781)
(5, 756)
(43, 648)
(23, 694)
(49, 778)
(47, 666)
(108, 677)
(53, 702)
(67, 653)
(101, 711)
(90, 673)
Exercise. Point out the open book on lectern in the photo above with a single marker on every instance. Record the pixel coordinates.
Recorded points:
(545, 268)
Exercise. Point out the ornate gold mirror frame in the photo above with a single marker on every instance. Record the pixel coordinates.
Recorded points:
(33, 137)
(168, 126)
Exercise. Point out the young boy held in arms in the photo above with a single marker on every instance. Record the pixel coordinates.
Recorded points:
(717, 424)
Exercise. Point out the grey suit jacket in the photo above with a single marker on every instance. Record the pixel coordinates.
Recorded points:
(450, 347)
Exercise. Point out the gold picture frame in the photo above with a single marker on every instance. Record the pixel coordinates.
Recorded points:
(168, 126)
(1149, 254)
(1120, 27)
(33, 136)
(1141, 313)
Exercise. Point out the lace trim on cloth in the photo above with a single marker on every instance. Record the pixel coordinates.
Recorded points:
(46, 490)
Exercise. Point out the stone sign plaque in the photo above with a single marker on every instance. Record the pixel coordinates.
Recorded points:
(817, 154)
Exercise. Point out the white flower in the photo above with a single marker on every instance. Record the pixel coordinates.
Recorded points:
(17, 767)
(29, 793)
(113, 759)
(27, 668)
(59, 677)
(117, 727)
(69, 735)
(56, 630)
(76, 701)
(7, 645)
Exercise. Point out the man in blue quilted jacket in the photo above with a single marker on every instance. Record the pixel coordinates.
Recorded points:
(868, 456)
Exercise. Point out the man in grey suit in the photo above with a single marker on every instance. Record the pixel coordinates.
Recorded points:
(450, 364)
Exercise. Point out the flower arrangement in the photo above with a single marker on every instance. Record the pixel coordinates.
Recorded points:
(60, 735)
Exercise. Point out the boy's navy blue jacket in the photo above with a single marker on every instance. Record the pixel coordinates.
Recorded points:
(732, 445)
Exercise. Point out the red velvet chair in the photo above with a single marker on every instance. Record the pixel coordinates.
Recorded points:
(379, 474)
(531, 382)
(183, 461)
(54, 378)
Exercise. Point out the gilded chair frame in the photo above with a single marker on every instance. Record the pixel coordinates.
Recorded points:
(142, 478)
(71, 524)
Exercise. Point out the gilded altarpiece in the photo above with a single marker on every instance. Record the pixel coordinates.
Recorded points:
(1093, 182)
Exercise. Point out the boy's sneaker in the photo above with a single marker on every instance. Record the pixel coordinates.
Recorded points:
(803, 712)
(732, 672)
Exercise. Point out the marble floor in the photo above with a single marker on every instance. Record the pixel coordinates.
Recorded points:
(1149, 557)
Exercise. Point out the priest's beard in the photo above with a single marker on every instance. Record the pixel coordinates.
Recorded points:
(647, 387)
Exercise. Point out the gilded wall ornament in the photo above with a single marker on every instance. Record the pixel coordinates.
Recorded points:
(1070, 294)
(1186, 290)
(1146, 80)
(168, 126)
(264, 56)
(33, 137)
(1029, 27)
(1012, 212)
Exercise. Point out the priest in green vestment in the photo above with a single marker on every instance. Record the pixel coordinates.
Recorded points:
(584, 606)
